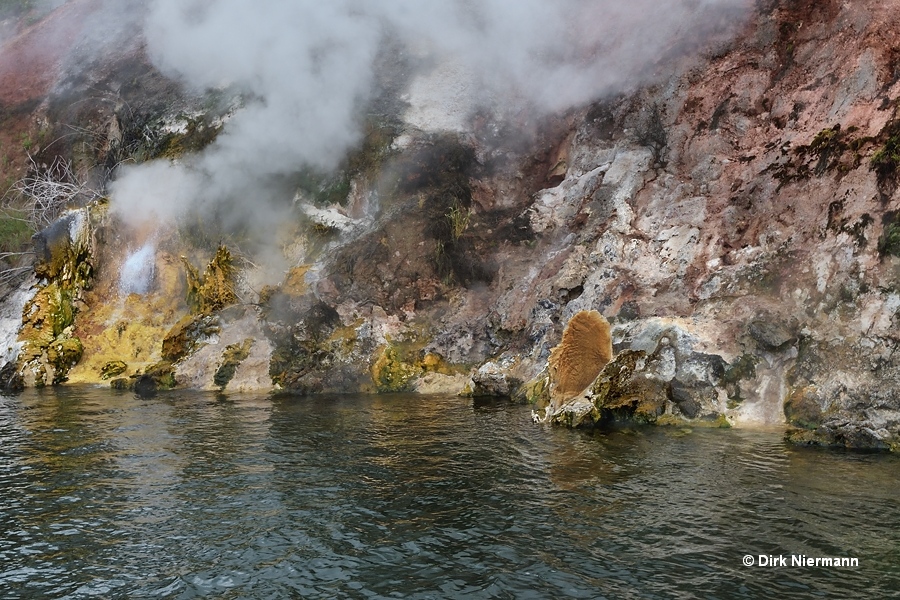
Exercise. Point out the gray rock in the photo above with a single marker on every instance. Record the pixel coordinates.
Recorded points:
(771, 334)
(491, 379)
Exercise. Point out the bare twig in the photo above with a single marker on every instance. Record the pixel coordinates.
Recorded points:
(8, 276)
(49, 191)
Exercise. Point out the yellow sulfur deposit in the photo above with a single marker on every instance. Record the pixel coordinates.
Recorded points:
(128, 329)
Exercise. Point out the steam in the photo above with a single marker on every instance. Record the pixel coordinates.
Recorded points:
(138, 270)
(307, 67)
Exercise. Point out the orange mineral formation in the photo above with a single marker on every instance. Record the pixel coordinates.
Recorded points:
(585, 349)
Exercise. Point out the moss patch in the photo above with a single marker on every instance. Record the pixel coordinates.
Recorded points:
(719, 422)
(63, 353)
(835, 149)
(148, 136)
(889, 241)
(744, 367)
(618, 396)
(832, 150)
(399, 364)
(294, 281)
(886, 159)
(391, 373)
(343, 340)
(112, 369)
(130, 329)
(214, 290)
(186, 336)
(159, 376)
(295, 365)
(62, 258)
(198, 133)
(802, 408)
(47, 314)
(636, 400)
(49, 347)
(364, 161)
(233, 356)
(536, 391)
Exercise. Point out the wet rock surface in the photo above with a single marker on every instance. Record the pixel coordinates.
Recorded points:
(734, 221)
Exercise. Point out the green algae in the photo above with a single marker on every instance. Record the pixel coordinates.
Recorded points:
(50, 347)
(233, 356)
(669, 420)
(399, 364)
(889, 241)
(186, 336)
(214, 289)
(112, 369)
(159, 376)
(391, 373)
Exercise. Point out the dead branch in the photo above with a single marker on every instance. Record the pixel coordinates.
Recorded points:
(50, 190)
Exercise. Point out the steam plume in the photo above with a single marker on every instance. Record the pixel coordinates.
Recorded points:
(308, 67)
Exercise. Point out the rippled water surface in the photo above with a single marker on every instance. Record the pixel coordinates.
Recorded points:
(187, 495)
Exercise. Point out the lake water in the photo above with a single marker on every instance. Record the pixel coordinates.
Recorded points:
(188, 495)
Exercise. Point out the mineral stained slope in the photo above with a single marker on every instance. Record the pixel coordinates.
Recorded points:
(735, 220)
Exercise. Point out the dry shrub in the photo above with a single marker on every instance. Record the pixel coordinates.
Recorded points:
(585, 349)
(48, 191)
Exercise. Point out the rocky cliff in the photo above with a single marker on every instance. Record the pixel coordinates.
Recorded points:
(735, 219)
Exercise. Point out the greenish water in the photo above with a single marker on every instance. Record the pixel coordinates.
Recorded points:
(190, 495)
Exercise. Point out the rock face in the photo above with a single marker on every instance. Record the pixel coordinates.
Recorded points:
(49, 345)
(736, 222)
(756, 269)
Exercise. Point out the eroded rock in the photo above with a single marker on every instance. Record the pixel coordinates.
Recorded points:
(49, 345)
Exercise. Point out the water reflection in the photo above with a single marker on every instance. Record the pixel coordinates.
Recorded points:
(241, 496)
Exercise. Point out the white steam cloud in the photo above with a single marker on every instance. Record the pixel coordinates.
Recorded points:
(307, 66)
